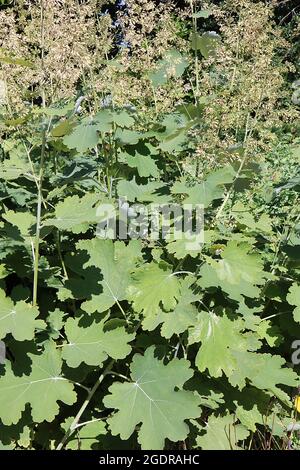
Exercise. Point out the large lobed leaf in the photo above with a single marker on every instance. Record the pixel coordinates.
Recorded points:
(151, 399)
(92, 344)
(42, 388)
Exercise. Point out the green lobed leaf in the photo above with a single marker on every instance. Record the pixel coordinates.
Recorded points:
(222, 433)
(152, 401)
(42, 388)
(293, 298)
(18, 318)
(154, 286)
(76, 213)
(92, 344)
(219, 337)
(115, 261)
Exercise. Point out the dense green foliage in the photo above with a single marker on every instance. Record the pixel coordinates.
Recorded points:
(144, 343)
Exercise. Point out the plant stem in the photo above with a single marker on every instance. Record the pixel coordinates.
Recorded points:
(60, 255)
(194, 21)
(38, 220)
(229, 192)
(88, 422)
(152, 87)
(74, 423)
(41, 171)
